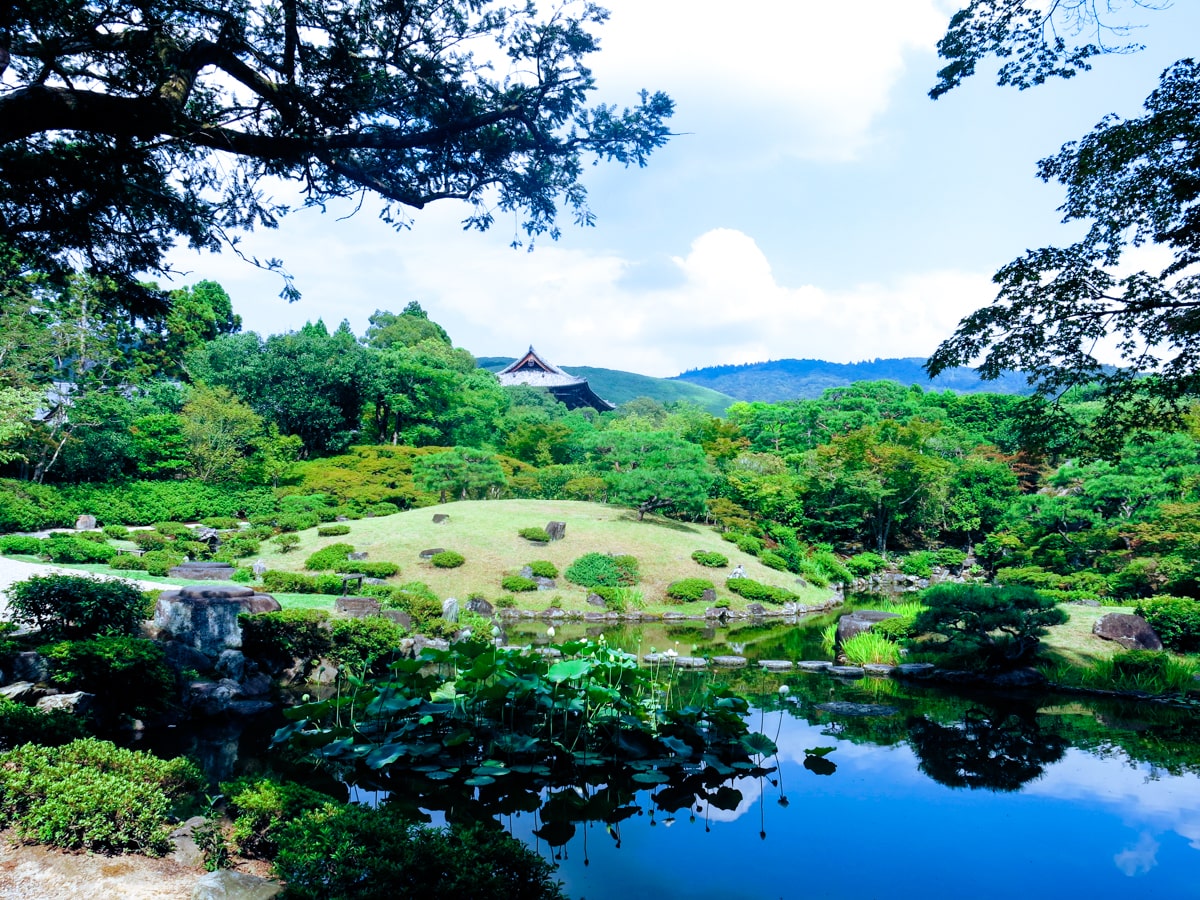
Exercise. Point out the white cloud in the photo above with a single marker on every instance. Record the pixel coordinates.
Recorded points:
(791, 77)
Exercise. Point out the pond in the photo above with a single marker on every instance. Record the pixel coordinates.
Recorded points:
(878, 789)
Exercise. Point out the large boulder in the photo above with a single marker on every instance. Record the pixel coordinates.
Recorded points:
(225, 884)
(203, 571)
(204, 617)
(77, 703)
(860, 621)
(1130, 631)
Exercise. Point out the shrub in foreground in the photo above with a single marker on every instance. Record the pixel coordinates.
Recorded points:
(1177, 621)
(73, 606)
(259, 806)
(21, 545)
(359, 853)
(91, 795)
(21, 724)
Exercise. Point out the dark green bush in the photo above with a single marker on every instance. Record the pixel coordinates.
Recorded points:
(543, 568)
(333, 530)
(280, 637)
(382, 509)
(150, 540)
(296, 521)
(91, 795)
(359, 853)
(173, 529)
(73, 606)
(518, 584)
(355, 642)
(286, 541)
(275, 581)
(21, 724)
(66, 549)
(538, 535)
(116, 532)
(992, 624)
(96, 537)
(773, 560)
(687, 590)
(192, 549)
(19, 544)
(950, 557)
(160, 562)
(710, 559)
(863, 564)
(127, 562)
(447, 559)
(238, 546)
(919, 564)
(259, 806)
(127, 674)
(381, 569)
(221, 523)
(329, 558)
(418, 600)
(1176, 620)
(748, 544)
(242, 575)
(593, 570)
(757, 592)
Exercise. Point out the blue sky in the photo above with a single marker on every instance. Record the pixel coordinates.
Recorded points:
(816, 202)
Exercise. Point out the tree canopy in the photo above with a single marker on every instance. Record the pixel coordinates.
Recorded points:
(127, 126)
(1136, 182)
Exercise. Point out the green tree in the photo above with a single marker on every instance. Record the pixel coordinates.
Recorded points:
(1133, 181)
(127, 126)
(222, 433)
(652, 471)
(407, 329)
(1004, 624)
(17, 408)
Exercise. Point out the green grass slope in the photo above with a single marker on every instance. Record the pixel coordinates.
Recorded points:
(485, 532)
(620, 387)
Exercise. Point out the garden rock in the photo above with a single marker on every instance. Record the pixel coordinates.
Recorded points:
(227, 885)
(204, 617)
(179, 656)
(78, 703)
(30, 666)
(860, 621)
(1130, 631)
(19, 691)
(440, 518)
(256, 685)
(85, 523)
(203, 571)
(231, 664)
(1019, 678)
(186, 852)
(846, 708)
(847, 671)
(427, 554)
(556, 530)
(545, 584)
(914, 670)
(878, 670)
(356, 607)
(755, 609)
(357, 556)
(481, 607)
(211, 698)
(814, 665)
(776, 665)
(450, 609)
(399, 616)
(732, 662)
(595, 600)
(709, 595)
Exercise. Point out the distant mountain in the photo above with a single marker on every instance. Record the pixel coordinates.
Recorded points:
(621, 387)
(792, 379)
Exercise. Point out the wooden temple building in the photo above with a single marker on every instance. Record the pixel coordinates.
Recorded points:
(534, 371)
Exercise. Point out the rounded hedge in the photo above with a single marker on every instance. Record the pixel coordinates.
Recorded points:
(333, 530)
(327, 558)
(537, 535)
(447, 559)
(756, 591)
(593, 570)
(518, 584)
(689, 589)
(710, 559)
(543, 568)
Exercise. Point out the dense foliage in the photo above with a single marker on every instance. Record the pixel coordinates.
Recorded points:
(72, 606)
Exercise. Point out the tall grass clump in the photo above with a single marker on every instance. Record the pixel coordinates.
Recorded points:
(869, 647)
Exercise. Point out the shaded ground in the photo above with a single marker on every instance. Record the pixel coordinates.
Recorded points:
(35, 872)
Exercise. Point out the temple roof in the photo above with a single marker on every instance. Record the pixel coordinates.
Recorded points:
(534, 371)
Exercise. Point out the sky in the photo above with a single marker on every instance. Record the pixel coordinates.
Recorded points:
(815, 202)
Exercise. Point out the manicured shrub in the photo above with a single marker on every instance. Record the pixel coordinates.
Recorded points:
(543, 568)
(259, 532)
(96, 537)
(127, 674)
(286, 542)
(919, 564)
(63, 549)
(281, 637)
(91, 795)
(1176, 620)
(447, 559)
(296, 521)
(773, 560)
(950, 557)
(863, 564)
(593, 570)
(150, 540)
(757, 592)
(710, 559)
(238, 546)
(242, 575)
(505, 601)
(192, 549)
(994, 625)
(259, 806)
(173, 529)
(418, 600)
(380, 569)
(127, 562)
(361, 853)
(160, 562)
(537, 535)
(21, 724)
(74, 607)
(327, 558)
(518, 584)
(116, 532)
(382, 509)
(355, 642)
(333, 530)
(275, 581)
(20, 545)
(688, 590)
(748, 544)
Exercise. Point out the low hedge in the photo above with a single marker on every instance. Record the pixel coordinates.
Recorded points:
(518, 584)
(710, 559)
(687, 590)
(19, 544)
(756, 591)
(381, 569)
(63, 549)
(160, 562)
(1176, 620)
(328, 558)
(447, 559)
(333, 530)
(537, 535)
(594, 570)
(543, 568)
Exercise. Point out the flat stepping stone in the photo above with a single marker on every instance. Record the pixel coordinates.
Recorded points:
(878, 670)
(814, 665)
(912, 669)
(846, 708)
(729, 661)
(847, 671)
(691, 662)
(776, 665)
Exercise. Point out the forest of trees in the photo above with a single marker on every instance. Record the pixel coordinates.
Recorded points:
(401, 416)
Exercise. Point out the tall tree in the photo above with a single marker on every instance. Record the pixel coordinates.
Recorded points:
(1134, 181)
(128, 125)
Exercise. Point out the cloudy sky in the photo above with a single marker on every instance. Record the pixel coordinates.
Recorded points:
(816, 203)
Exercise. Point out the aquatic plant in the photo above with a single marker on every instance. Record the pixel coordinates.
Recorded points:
(869, 647)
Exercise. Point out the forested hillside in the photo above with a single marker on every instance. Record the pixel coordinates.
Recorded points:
(806, 379)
